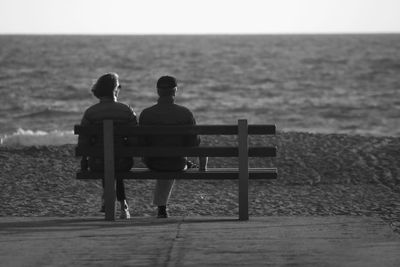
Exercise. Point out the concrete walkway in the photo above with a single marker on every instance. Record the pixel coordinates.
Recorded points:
(198, 241)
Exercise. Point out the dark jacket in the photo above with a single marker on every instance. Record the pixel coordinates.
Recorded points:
(166, 112)
(111, 110)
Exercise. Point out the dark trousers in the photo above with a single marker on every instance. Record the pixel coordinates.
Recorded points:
(120, 188)
(121, 164)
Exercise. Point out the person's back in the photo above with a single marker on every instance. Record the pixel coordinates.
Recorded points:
(109, 110)
(166, 112)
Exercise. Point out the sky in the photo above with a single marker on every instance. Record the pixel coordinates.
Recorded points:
(198, 17)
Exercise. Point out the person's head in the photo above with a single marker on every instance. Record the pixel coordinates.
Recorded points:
(167, 86)
(107, 86)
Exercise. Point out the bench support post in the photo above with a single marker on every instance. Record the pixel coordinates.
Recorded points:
(243, 170)
(109, 174)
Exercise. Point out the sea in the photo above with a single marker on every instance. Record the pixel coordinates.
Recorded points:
(309, 83)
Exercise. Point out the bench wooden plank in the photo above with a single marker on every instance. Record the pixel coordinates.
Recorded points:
(193, 174)
(254, 129)
(177, 151)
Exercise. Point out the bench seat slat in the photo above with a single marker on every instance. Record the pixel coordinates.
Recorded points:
(210, 174)
(176, 151)
(254, 129)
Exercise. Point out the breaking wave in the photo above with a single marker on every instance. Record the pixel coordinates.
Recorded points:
(38, 138)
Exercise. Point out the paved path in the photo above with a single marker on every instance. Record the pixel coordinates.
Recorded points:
(198, 241)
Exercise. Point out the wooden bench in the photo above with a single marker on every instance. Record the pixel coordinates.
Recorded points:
(108, 130)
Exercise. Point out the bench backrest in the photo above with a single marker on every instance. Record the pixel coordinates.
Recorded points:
(107, 131)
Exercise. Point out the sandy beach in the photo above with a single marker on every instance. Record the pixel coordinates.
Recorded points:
(319, 175)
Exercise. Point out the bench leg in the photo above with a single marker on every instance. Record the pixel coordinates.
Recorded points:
(109, 197)
(109, 174)
(243, 171)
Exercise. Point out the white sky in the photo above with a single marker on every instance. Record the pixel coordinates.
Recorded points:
(199, 17)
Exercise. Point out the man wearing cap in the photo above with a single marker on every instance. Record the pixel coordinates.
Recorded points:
(166, 112)
(106, 89)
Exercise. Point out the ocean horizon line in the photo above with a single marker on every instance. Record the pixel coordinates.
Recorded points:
(201, 34)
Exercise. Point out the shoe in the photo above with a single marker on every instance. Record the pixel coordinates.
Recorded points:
(162, 212)
(124, 211)
(125, 214)
(191, 165)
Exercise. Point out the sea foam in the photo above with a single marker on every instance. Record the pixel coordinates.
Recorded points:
(38, 138)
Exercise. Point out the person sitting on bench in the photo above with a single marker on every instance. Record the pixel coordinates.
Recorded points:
(166, 112)
(106, 89)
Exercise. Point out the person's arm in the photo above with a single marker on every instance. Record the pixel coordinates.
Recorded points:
(132, 121)
(191, 140)
(132, 117)
(84, 140)
(195, 140)
(142, 140)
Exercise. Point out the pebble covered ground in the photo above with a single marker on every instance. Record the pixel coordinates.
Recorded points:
(319, 174)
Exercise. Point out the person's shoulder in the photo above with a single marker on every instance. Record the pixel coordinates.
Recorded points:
(125, 106)
(146, 113)
(122, 105)
(184, 109)
(149, 109)
(89, 114)
(185, 115)
(91, 109)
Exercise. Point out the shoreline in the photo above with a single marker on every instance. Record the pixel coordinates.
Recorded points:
(318, 174)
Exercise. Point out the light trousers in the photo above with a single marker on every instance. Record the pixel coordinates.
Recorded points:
(162, 192)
